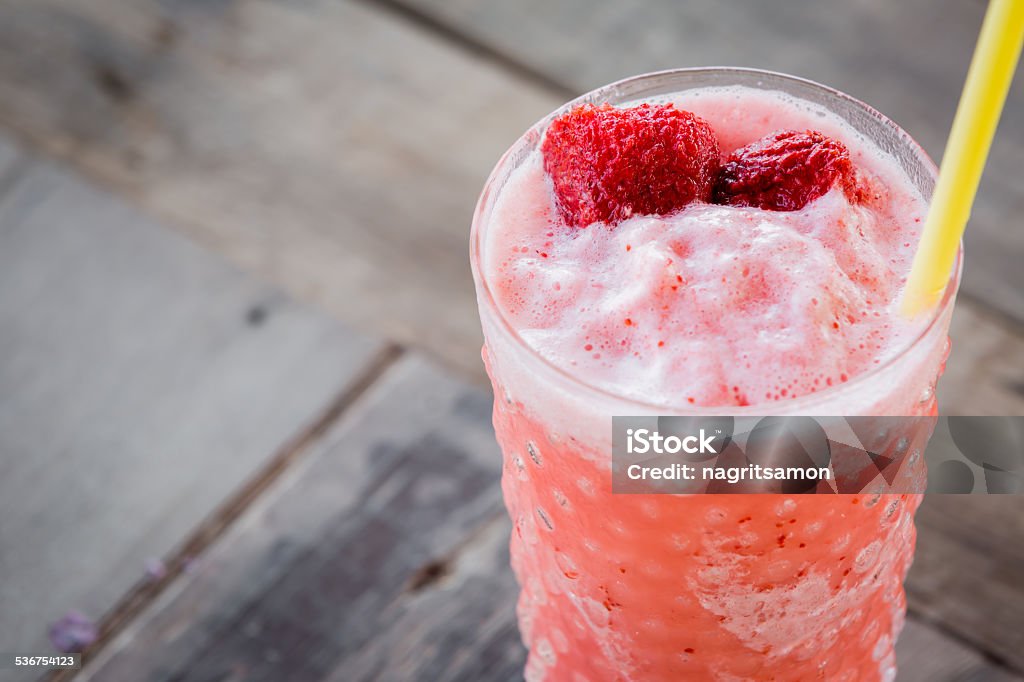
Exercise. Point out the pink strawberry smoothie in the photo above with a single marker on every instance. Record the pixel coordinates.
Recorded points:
(717, 310)
(714, 305)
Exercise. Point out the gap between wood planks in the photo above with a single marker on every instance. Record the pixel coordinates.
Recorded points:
(473, 47)
(147, 589)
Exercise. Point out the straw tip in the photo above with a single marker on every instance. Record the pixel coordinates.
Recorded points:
(916, 303)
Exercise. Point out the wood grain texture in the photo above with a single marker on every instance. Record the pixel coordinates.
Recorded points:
(967, 572)
(985, 371)
(925, 655)
(322, 144)
(473, 604)
(141, 381)
(907, 59)
(9, 157)
(373, 560)
(385, 558)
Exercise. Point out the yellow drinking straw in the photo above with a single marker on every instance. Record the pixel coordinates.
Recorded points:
(977, 115)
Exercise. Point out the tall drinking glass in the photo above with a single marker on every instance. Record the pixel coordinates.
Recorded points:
(669, 587)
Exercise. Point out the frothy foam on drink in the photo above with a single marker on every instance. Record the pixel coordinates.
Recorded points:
(714, 305)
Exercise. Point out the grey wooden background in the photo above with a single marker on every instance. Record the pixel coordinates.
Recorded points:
(238, 332)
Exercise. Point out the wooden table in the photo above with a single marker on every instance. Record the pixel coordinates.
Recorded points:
(202, 201)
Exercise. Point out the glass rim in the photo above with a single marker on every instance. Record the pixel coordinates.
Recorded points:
(608, 92)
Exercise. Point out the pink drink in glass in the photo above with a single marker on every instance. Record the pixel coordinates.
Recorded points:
(712, 310)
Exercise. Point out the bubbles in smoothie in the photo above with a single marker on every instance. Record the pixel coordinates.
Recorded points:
(713, 305)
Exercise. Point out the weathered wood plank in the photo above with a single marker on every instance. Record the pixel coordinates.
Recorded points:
(968, 570)
(9, 156)
(908, 59)
(985, 372)
(395, 515)
(925, 655)
(462, 628)
(391, 562)
(268, 132)
(141, 381)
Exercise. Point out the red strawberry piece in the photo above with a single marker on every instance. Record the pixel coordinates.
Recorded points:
(608, 164)
(785, 171)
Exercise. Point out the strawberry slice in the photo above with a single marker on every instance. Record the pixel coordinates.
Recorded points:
(785, 171)
(608, 164)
